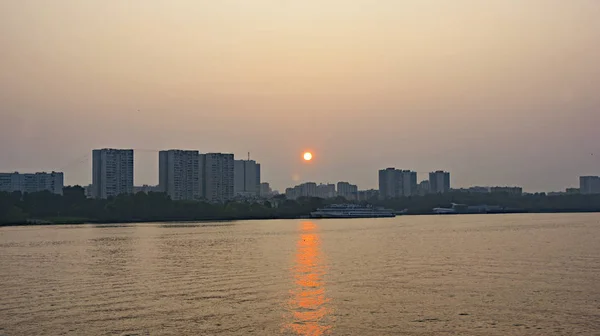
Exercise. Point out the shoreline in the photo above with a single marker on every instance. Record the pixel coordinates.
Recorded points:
(217, 220)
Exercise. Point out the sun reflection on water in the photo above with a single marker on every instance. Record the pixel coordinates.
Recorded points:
(308, 303)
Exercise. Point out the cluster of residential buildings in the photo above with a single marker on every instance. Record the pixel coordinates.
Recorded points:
(395, 183)
(182, 174)
(344, 189)
(218, 177)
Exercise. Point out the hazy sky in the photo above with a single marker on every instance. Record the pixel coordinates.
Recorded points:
(498, 92)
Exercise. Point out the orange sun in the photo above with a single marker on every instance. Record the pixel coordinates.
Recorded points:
(308, 156)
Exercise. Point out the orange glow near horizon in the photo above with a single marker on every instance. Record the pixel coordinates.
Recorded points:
(308, 303)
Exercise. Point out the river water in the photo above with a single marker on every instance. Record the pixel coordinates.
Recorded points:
(426, 275)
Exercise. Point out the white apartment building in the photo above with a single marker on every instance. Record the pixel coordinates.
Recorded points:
(30, 183)
(179, 174)
(246, 178)
(217, 180)
(112, 172)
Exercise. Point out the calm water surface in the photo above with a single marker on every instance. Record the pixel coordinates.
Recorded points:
(445, 275)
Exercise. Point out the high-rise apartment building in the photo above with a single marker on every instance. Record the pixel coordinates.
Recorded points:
(409, 183)
(112, 172)
(347, 190)
(30, 183)
(247, 178)
(439, 182)
(179, 174)
(217, 180)
(397, 183)
(589, 185)
(390, 183)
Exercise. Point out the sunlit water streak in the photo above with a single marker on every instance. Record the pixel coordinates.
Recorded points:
(309, 301)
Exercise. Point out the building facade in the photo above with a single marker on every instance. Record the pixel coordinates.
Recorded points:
(246, 178)
(326, 191)
(409, 183)
(589, 185)
(31, 183)
(308, 189)
(367, 195)
(112, 172)
(265, 190)
(179, 174)
(395, 183)
(423, 188)
(217, 182)
(439, 182)
(347, 190)
(390, 183)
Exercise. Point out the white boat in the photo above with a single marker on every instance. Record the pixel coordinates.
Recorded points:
(352, 211)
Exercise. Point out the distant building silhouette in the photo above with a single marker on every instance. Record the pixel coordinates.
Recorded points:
(366, 195)
(217, 171)
(112, 172)
(439, 182)
(146, 189)
(347, 190)
(310, 189)
(589, 185)
(179, 174)
(265, 190)
(395, 183)
(423, 188)
(326, 191)
(30, 183)
(507, 190)
(246, 178)
(409, 183)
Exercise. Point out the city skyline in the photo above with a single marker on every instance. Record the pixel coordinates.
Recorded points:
(420, 177)
(496, 92)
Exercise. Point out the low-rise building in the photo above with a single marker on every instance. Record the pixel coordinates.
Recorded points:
(146, 189)
(265, 190)
(311, 189)
(507, 190)
(30, 183)
(367, 195)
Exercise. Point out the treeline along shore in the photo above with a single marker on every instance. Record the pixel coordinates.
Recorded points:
(73, 207)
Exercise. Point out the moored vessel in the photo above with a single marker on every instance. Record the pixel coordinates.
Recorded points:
(352, 211)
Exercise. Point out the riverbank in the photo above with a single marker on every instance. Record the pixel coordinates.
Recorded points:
(74, 208)
(80, 221)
